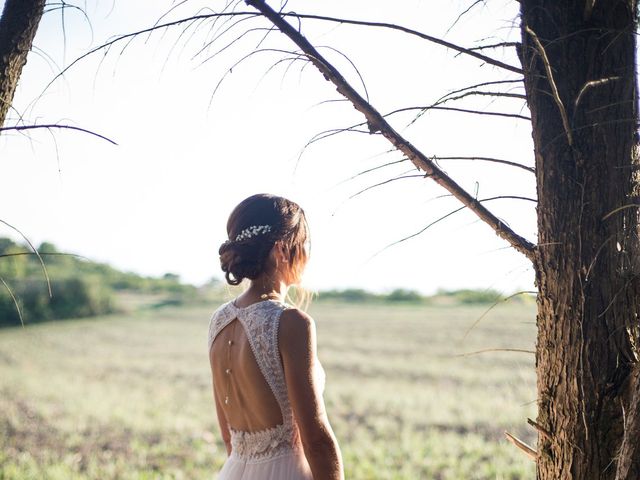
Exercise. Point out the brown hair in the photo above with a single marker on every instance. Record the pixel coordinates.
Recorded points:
(247, 256)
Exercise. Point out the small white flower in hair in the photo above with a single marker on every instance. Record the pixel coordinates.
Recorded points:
(252, 231)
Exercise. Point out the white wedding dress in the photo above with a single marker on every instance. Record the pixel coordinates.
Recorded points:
(274, 453)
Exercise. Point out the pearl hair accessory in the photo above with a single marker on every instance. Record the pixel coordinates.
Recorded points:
(252, 231)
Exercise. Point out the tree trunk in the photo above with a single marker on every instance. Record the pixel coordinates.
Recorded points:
(580, 79)
(18, 25)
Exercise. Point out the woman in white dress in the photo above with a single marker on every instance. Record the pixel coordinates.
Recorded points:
(267, 379)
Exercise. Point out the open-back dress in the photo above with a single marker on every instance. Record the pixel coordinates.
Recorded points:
(274, 453)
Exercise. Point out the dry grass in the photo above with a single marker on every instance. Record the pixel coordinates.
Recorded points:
(129, 396)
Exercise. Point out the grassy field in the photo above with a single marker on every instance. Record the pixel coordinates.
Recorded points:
(129, 396)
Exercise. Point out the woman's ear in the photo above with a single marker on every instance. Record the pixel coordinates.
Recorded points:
(278, 253)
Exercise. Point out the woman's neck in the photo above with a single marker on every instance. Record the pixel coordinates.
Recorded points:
(264, 288)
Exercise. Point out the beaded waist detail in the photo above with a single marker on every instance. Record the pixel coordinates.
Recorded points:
(267, 443)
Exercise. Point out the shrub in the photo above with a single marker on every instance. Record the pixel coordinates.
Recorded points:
(404, 295)
(72, 298)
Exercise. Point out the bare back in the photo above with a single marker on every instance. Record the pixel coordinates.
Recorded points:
(240, 386)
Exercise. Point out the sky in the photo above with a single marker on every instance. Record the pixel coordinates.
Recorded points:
(197, 133)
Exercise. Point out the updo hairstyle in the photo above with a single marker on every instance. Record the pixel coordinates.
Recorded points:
(247, 256)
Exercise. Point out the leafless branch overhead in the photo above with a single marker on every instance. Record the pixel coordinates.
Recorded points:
(377, 123)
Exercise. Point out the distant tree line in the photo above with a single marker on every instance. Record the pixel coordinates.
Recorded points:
(401, 295)
(79, 287)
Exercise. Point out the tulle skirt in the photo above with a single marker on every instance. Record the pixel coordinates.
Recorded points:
(289, 466)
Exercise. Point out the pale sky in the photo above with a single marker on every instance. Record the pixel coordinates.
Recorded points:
(158, 201)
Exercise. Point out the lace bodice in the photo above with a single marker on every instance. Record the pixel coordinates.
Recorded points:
(260, 322)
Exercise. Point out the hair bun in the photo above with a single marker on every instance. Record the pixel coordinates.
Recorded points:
(243, 259)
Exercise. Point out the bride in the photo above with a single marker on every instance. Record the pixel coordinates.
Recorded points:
(267, 379)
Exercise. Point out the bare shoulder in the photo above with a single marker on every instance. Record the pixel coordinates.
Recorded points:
(296, 326)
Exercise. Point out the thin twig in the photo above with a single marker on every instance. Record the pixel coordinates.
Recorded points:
(495, 45)
(36, 253)
(591, 84)
(467, 10)
(489, 159)
(483, 84)
(385, 182)
(446, 216)
(50, 126)
(463, 110)
(487, 350)
(554, 88)
(484, 314)
(373, 169)
(19, 254)
(424, 36)
(618, 209)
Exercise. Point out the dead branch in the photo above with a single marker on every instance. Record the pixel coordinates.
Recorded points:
(488, 350)
(392, 26)
(377, 123)
(449, 98)
(484, 314)
(477, 85)
(467, 10)
(530, 452)
(35, 252)
(45, 254)
(554, 88)
(452, 212)
(216, 16)
(489, 159)
(591, 84)
(461, 110)
(373, 169)
(50, 126)
(384, 182)
(495, 45)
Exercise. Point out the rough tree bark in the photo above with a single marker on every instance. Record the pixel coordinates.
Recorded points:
(579, 62)
(18, 26)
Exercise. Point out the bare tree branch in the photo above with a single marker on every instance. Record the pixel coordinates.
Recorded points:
(385, 182)
(424, 36)
(477, 85)
(467, 10)
(495, 45)
(489, 350)
(452, 212)
(36, 253)
(451, 97)
(373, 169)
(462, 110)
(497, 301)
(530, 452)
(489, 159)
(50, 126)
(554, 88)
(377, 123)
